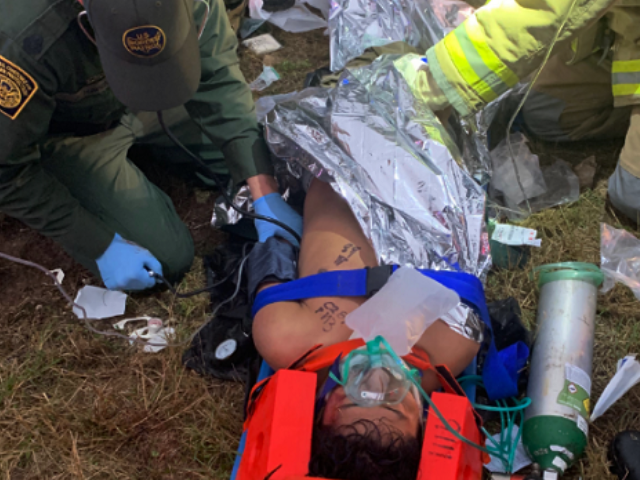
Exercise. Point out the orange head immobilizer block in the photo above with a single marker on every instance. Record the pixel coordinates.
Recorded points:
(279, 438)
(445, 457)
(278, 445)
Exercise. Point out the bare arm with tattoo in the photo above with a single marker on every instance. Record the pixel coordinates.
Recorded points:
(333, 240)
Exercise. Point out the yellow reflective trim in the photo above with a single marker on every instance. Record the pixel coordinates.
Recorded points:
(466, 71)
(620, 66)
(489, 58)
(625, 89)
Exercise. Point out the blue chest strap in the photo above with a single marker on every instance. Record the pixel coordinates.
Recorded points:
(500, 372)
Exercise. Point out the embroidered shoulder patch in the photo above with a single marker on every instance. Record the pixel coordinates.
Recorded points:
(17, 87)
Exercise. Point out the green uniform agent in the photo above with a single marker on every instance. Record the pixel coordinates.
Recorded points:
(64, 169)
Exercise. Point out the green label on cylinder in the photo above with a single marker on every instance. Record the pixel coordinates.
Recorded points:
(577, 390)
(576, 397)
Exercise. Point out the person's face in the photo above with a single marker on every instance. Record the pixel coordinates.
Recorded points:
(341, 411)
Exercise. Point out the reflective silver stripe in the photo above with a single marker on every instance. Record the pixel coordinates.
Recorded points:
(626, 78)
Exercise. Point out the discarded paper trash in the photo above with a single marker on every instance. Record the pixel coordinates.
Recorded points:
(155, 334)
(262, 44)
(619, 258)
(265, 79)
(99, 303)
(627, 375)
(512, 235)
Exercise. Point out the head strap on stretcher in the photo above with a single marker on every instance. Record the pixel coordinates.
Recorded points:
(500, 372)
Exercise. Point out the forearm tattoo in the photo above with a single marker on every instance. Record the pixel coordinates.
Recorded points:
(331, 315)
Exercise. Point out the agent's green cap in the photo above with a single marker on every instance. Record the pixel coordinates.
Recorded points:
(148, 49)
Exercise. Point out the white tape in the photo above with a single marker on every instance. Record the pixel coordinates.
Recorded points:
(512, 235)
(563, 450)
(59, 275)
(560, 463)
(583, 425)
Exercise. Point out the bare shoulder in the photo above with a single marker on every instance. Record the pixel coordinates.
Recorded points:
(280, 333)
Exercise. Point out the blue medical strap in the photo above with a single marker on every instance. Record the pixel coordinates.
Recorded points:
(501, 369)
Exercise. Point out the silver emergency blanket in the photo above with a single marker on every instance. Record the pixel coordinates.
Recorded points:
(225, 215)
(465, 321)
(393, 162)
(356, 25)
(451, 13)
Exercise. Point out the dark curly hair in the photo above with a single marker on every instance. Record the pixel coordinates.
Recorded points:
(365, 450)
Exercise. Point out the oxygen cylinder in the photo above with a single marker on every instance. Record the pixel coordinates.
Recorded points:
(556, 427)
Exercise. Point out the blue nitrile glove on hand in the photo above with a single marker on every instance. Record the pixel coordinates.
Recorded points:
(273, 206)
(122, 266)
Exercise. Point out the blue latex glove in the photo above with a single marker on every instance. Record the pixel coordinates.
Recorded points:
(122, 266)
(273, 206)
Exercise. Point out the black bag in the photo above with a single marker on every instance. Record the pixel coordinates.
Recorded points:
(224, 347)
(624, 454)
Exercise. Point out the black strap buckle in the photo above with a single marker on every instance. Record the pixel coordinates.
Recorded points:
(377, 277)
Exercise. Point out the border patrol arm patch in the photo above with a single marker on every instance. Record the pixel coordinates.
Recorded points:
(17, 88)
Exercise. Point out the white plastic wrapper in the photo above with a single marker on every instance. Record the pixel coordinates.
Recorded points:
(265, 79)
(619, 258)
(506, 171)
(356, 25)
(543, 188)
(627, 376)
(416, 300)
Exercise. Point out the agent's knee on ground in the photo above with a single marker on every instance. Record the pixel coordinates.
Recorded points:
(624, 184)
(624, 193)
